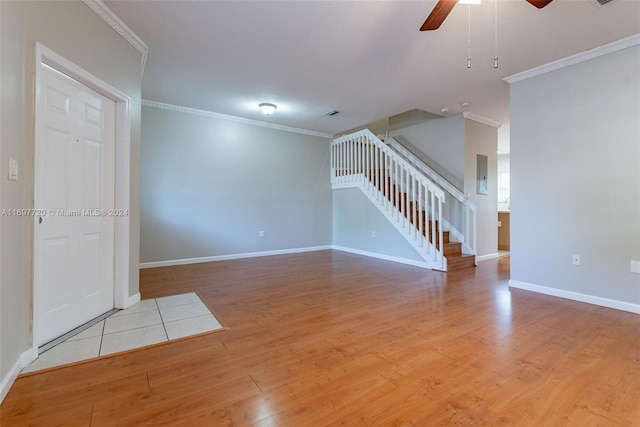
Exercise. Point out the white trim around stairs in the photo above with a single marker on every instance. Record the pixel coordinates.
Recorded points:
(576, 296)
(199, 260)
(25, 358)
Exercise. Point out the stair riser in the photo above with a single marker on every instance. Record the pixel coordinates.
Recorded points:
(456, 263)
(452, 250)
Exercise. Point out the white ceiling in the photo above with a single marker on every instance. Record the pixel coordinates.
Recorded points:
(366, 59)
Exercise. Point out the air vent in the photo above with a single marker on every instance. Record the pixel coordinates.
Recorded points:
(331, 113)
(598, 3)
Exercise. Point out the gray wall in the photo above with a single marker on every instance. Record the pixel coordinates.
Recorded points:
(355, 218)
(453, 143)
(575, 177)
(483, 139)
(210, 185)
(443, 140)
(75, 32)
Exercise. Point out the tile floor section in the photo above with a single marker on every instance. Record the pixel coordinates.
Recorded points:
(144, 323)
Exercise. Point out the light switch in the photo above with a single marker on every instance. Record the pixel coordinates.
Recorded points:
(13, 170)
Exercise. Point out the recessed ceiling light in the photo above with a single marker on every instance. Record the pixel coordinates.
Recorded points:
(267, 108)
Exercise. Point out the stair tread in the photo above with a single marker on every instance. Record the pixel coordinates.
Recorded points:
(463, 256)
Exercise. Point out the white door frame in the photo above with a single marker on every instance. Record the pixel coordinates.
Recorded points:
(46, 56)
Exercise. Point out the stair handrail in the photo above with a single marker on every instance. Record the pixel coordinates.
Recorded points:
(397, 189)
(468, 236)
(363, 160)
(439, 192)
(433, 175)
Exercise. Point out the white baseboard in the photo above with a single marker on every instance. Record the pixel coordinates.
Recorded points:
(8, 380)
(129, 301)
(384, 257)
(133, 299)
(486, 257)
(280, 252)
(576, 296)
(232, 256)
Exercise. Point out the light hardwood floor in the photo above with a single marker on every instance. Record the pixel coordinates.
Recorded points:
(330, 338)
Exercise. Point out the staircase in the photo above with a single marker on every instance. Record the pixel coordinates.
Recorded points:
(455, 258)
(411, 201)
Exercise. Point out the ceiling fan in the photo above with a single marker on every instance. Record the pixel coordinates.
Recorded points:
(443, 7)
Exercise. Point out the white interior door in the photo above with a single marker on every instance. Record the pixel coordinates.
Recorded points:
(74, 200)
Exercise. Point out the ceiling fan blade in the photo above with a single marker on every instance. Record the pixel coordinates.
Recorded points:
(539, 3)
(438, 15)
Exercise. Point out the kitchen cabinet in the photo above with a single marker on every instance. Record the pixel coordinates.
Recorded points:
(504, 238)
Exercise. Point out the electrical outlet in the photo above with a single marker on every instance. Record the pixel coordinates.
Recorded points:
(373, 234)
(576, 259)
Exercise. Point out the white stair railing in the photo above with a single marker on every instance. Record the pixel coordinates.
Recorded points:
(461, 216)
(409, 200)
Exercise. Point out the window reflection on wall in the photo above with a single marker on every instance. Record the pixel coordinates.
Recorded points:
(504, 182)
(504, 187)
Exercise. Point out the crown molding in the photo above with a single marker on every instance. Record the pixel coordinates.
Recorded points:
(211, 114)
(480, 119)
(575, 59)
(114, 21)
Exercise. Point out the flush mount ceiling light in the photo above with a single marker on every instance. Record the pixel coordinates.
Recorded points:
(267, 108)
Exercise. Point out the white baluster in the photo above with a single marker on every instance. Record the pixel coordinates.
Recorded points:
(349, 158)
(370, 157)
(433, 224)
(360, 157)
(336, 154)
(414, 206)
(342, 148)
(403, 195)
(395, 191)
(377, 172)
(475, 232)
(419, 211)
(440, 232)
